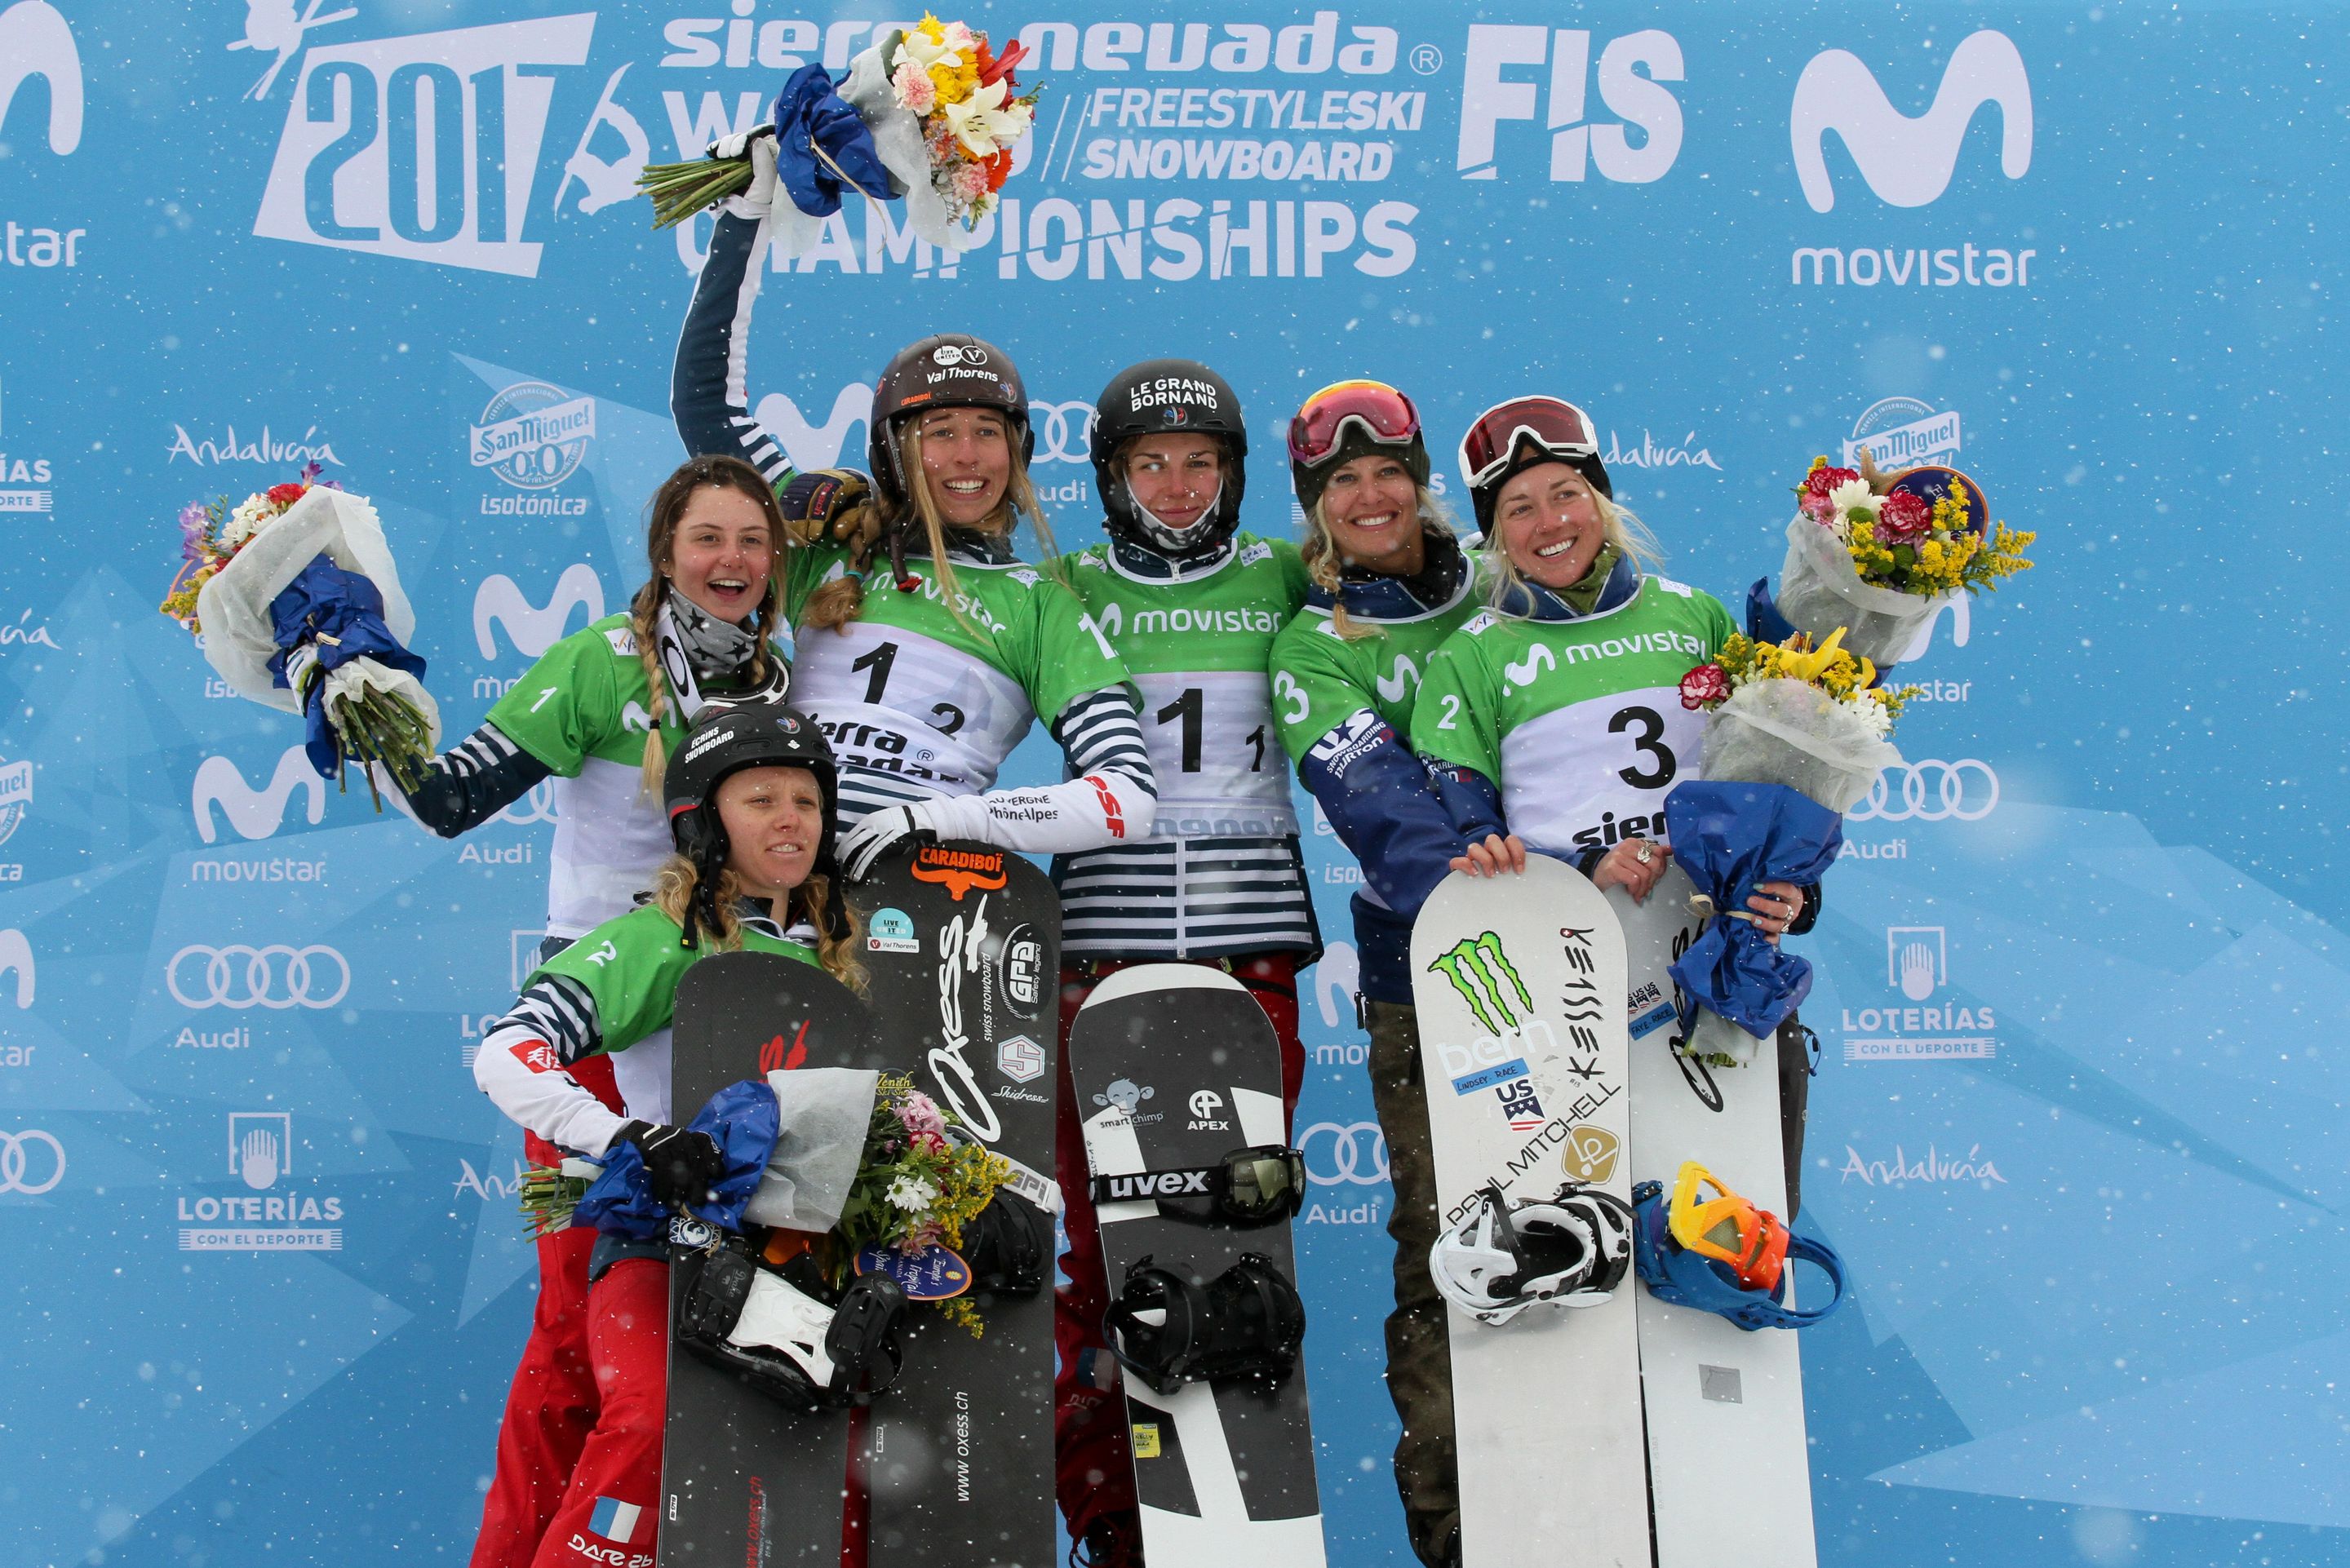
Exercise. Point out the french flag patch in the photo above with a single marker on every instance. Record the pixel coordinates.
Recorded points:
(614, 1520)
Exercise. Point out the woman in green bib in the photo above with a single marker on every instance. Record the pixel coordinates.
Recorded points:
(923, 645)
(749, 800)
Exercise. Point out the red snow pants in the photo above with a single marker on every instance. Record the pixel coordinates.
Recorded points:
(552, 1402)
(608, 1516)
(1093, 1474)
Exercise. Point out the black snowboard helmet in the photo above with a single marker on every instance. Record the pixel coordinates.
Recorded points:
(1169, 397)
(948, 370)
(726, 738)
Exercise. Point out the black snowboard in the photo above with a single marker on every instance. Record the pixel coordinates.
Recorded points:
(1176, 1067)
(743, 1479)
(963, 944)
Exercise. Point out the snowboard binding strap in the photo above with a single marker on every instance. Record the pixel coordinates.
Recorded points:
(756, 1324)
(1677, 1274)
(1572, 1248)
(1169, 1330)
(1009, 1245)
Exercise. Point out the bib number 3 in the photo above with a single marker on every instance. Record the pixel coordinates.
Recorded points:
(1648, 743)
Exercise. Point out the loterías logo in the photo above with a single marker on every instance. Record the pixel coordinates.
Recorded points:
(424, 146)
(34, 41)
(1909, 162)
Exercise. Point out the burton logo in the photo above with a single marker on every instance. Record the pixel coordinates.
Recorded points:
(1487, 980)
(960, 870)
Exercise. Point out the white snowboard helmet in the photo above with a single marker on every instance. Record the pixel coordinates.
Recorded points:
(1570, 1250)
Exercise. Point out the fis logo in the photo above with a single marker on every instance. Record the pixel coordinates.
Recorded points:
(815, 446)
(255, 814)
(531, 629)
(1908, 162)
(425, 147)
(34, 41)
(1639, 99)
(1488, 981)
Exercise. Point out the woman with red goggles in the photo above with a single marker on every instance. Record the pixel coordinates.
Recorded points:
(1559, 710)
(1390, 582)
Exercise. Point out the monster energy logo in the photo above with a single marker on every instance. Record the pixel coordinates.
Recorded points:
(1486, 979)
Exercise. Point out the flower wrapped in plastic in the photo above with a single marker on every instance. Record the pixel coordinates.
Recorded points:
(865, 1168)
(1796, 736)
(930, 114)
(1879, 554)
(297, 601)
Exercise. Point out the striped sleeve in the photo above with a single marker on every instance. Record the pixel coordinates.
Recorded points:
(710, 394)
(521, 1065)
(1101, 732)
(473, 781)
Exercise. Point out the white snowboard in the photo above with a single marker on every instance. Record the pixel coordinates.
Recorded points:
(1520, 983)
(1729, 1467)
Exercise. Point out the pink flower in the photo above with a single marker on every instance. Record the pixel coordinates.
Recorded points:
(1824, 478)
(1707, 683)
(969, 182)
(929, 1142)
(1903, 517)
(914, 87)
(917, 1113)
(1814, 507)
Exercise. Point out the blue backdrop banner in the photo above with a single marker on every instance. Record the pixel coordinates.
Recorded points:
(2077, 1128)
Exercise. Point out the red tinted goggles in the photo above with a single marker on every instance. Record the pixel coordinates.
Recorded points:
(1559, 428)
(1383, 413)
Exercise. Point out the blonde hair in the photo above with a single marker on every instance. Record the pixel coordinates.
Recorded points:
(1320, 553)
(1618, 525)
(677, 882)
(839, 602)
(664, 511)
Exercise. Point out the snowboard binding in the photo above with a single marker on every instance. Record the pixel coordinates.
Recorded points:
(1263, 1184)
(1009, 1245)
(1169, 1330)
(1724, 1255)
(781, 1338)
(1569, 1249)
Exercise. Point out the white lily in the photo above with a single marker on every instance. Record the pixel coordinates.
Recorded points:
(919, 48)
(982, 122)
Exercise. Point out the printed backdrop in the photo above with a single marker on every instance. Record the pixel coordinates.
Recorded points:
(2077, 1128)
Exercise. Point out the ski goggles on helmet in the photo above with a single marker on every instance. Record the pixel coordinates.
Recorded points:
(1560, 428)
(1727, 1227)
(1384, 415)
(1259, 1185)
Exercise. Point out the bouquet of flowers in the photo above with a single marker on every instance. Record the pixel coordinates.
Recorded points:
(1878, 556)
(930, 114)
(922, 1181)
(858, 1169)
(295, 596)
(1797, 736)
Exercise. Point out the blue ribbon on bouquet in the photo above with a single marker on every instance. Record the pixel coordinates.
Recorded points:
(823, 148)
(743, 1119)
(341, 613)
(1731, 838)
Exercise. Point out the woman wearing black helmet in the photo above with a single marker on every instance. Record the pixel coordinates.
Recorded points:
(1193, 605)
(749, 797)
(925, 649)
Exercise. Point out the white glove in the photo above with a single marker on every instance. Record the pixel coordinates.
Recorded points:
(759, 200)
(890, 828)
(299, 660)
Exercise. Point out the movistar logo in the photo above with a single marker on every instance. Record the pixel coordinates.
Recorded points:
(1487, 980)
(531, 629)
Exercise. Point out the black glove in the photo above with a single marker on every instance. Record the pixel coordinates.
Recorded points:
(681, 1165)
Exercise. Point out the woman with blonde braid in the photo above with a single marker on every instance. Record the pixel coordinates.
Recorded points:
(600, 714)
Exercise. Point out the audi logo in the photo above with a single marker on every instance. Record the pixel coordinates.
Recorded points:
(276, 976)
(1951, 796)
(1065, 431)
(15, 1162)
(1345, 1154)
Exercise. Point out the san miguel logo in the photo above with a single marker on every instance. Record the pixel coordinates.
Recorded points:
(959, 871)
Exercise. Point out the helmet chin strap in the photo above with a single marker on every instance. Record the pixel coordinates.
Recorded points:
(1166, 535)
